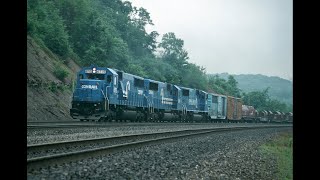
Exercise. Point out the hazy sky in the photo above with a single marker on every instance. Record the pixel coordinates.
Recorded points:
(234, 36)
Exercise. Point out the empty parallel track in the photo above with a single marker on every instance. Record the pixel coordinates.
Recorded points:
(49, 153)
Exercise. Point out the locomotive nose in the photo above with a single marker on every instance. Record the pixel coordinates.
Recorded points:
(88, 90)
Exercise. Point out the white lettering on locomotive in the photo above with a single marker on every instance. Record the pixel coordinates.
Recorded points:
(101, 71)
(166, 100)
(140, 92)
(89, 86)
(98, 71)
(193, 102)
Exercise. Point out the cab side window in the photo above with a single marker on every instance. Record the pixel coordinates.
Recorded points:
(109, 78)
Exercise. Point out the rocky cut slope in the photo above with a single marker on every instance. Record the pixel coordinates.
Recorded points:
(48, 98)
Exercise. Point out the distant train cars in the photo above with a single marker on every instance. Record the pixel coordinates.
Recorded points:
(249, 114)
(289, 117)
(109, 94)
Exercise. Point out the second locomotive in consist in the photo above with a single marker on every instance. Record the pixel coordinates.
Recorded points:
(109, 94)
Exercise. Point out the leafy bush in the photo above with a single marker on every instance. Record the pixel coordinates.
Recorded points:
(60, 73)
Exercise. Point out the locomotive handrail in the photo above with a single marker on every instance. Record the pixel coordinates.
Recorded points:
(106, 99)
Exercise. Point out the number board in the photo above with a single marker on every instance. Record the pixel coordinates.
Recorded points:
(96, 72)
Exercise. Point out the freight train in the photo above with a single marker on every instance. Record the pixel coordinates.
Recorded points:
(106, 94)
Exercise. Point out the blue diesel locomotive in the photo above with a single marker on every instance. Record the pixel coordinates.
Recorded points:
(109, 94)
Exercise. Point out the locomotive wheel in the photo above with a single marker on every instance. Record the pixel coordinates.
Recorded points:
(148, 117)
(182, 118)
(156, 118)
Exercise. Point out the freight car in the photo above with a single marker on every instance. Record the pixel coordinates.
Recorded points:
(262, 116)
(107, 94)
(289, 117)
(217, 107)
(274, 117)
(249, 114)
(234, 109)
(278, 117)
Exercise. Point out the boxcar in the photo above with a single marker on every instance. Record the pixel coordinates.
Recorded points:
(217, 107)
(234, 109)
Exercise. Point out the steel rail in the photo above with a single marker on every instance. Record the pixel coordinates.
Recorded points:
(55, 125)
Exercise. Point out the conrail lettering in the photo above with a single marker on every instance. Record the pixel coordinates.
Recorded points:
(89, 86)
(166, 101)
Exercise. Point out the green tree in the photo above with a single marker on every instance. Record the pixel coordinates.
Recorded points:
(257, 99)
(216, 84)
(221, 86)
(233, 87)
(193, 76)
(45, 24)
(173, 50)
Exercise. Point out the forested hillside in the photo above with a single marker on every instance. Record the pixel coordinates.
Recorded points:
(111, 33)
(280, 89)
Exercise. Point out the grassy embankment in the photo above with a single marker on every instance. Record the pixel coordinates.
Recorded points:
(281, 149)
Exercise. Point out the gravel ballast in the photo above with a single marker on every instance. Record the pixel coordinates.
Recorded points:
(38, 136)
(224, 155)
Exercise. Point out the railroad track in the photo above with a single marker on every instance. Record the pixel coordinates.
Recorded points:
(60, 152)
(72, 124)
(100, 124)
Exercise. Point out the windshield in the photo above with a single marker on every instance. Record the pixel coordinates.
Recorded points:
(95, 76)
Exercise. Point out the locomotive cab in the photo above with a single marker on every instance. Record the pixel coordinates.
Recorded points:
(94, 90)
